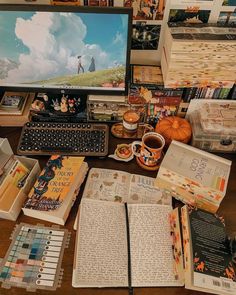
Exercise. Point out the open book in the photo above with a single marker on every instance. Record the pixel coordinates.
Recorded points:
(120, 186)
(208, 258)
(102, 252)
(154, 255)
(56, 188)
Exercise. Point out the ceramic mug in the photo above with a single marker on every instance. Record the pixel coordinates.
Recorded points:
(149, 149)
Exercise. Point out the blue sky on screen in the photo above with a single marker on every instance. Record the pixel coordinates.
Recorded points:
(46, 44)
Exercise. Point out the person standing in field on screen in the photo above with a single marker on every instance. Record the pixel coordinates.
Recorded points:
(80, 67)
(92, 65)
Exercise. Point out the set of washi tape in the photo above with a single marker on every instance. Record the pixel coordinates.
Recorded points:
(33, 260)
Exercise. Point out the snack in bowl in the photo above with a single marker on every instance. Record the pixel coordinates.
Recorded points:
(123, 151)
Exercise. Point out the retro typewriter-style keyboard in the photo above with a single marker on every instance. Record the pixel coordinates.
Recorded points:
(78, 139)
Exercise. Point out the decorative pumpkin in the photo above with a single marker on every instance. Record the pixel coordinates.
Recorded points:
(174, 128)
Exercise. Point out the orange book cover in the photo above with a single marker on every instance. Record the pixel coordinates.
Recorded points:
(54, 183)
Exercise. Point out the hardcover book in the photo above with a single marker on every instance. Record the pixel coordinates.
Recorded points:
(55, 190)
(208, 256)
(194, 176)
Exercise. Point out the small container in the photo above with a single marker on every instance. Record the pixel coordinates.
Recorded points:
(130, 121)
(211, 141)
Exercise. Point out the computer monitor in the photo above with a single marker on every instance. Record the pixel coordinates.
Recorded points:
(69, 48)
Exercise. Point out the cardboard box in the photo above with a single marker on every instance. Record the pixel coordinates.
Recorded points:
(32, 164)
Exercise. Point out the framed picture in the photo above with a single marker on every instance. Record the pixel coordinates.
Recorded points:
(189, 16)
(145, 36)
(146, 10)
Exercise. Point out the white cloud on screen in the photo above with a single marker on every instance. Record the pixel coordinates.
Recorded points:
(118, 38)
(54, 43)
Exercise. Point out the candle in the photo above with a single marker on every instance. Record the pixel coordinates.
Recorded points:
(130, 121)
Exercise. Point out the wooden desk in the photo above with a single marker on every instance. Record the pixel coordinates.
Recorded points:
(227, 209)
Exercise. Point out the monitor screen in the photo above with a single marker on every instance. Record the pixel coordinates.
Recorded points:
(70, 48)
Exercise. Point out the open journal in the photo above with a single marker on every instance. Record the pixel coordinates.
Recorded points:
(151, 254)
(120, 186)
(101, 251)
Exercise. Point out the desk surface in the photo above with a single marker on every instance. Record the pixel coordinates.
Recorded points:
(227, 209)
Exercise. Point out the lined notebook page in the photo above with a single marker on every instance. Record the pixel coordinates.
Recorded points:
(151, 246)
(101, 250)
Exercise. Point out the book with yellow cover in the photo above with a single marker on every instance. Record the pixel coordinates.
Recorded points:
(55, 190)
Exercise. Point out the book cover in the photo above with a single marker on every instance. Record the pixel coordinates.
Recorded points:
(208, 259)
(54, 190)
(145, 74)
(194, 176)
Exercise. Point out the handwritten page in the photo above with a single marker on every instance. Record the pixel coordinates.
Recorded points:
(101, 250)
(151, 246)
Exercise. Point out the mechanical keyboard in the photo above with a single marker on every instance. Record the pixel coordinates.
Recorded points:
(78, 139)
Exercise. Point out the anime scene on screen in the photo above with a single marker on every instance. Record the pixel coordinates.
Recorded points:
(63, 49)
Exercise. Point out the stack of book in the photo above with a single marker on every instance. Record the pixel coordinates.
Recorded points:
(15, 104)
(147, 89)
(205, 92)
(199, 55)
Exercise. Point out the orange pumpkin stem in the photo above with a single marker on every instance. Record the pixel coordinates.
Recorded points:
(175, 124)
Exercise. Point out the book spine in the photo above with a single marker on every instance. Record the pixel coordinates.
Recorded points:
(168, 100)
(232, 94)
(191, 93)
(216, 93)
(207, 95)
(185, 94)
(172, 92)
(196, 91)
(204, 92)
(224, 93)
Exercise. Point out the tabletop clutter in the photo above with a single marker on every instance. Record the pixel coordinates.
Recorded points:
(194, 176)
